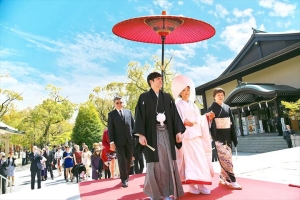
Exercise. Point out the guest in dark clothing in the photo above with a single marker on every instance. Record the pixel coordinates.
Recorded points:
(278, 124)
(27, 157)
(100, 168)
(107, 173)
(35, 167)
(287, 136)
(49, 156)
(96, 160)
(138, 159)
(214, 152)
(3, 171)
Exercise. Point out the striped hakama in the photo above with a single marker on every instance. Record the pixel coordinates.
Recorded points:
(162, 178)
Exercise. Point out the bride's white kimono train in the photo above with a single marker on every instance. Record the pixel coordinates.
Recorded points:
(194, 158)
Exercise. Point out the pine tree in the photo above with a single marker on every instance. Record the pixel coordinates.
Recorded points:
(87, 127)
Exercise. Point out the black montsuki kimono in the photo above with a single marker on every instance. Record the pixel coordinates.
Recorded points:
(145, 121)
(226, 136)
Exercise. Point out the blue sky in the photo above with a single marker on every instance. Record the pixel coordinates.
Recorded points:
(70, 44)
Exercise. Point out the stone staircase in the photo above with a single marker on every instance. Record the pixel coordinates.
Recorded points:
(261, 143)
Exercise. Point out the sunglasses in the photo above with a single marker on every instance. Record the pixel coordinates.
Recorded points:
(97, 151)
(119, 102)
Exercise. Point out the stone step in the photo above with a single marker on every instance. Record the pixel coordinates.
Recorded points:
(260, 144)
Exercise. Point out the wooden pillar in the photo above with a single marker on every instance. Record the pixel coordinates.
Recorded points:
(276, 107)
(240, 122)
(6, 145)
(204, 101)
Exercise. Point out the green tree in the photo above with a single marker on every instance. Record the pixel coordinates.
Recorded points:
(7, 103)
(48, 115)
(292, 108)
(87, 127)
(136, 83)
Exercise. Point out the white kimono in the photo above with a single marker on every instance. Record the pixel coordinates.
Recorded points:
(194, 158)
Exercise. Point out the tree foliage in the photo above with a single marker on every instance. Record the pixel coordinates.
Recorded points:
(136, 83)
(53, 111)
(9, 97)
(87, 127)
(292, 108)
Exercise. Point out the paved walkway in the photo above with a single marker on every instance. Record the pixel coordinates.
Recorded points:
(281, 166)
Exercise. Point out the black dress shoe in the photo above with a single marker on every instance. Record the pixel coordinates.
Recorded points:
(124, 184)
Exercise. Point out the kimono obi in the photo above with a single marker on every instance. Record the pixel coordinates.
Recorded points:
(223, 123)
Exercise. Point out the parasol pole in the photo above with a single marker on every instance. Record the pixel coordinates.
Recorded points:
(162, 60)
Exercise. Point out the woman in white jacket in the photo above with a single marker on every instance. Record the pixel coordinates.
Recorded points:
(59, 159)
(86, 159)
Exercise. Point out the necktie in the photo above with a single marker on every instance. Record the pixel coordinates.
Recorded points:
(121, 114)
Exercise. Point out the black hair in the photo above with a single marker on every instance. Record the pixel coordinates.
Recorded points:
(152, 76)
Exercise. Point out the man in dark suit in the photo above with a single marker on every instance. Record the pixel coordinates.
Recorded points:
(287, 136)
(35, 167)
(278, 124)
(49, 156)
(3, 171)
(120, 124)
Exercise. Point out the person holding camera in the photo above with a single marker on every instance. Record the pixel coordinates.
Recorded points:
(35, 167)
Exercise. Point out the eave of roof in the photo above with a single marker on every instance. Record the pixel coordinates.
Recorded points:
(260, 37)
(272, 59)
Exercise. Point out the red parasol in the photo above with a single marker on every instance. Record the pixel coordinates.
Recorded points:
(164, 29)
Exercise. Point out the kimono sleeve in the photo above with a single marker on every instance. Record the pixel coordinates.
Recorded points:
(177, 121)
(180, 111)
(140, 112)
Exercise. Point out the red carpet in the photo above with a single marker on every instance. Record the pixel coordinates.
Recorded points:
(111, 189)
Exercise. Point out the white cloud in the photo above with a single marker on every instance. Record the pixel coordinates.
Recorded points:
(284, 24)
(32, 83)
(266, 3)
(185, 51)
(236, 35)
(6, 52)
(83, 63)
(199, 2)
(146, 9)
(243, 13)
(180, 3)
(87, 51)
(210, 70)
(219, 12)
(109, 16)
(278, 8)
(165, 4)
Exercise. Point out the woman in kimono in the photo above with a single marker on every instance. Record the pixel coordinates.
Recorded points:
(223, 134)
(194, 157)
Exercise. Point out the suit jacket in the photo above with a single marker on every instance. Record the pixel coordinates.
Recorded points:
(3, 167)
(287, 134)
(48, 157)
(35, 162)
(120, 130)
